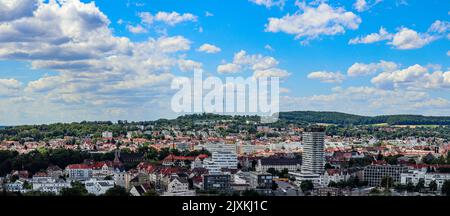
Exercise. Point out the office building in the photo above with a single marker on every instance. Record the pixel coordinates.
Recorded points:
(374, 174)
(313, 150)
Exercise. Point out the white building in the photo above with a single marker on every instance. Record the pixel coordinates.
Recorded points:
(98, 187)
(313, 151)
(220, 147)
(122, 178)
(16, 186)
(79, 172)
(178, 187)
(299, 177)
(279, 164)
(50, 185)
(333, 176)
(414, 176)
(107, 134)
(220, 160)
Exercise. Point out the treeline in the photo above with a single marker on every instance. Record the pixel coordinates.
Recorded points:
(60, 130)
(234, 125)
(379, 132)
(349, 119)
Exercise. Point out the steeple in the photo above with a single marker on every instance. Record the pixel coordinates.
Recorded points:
(117, 163)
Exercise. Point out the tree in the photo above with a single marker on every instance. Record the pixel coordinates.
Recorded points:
(116, 191)
(446, 188)
(274, 185)
(387, 182)
(272, 171)
(332, 184)
(307, 185)
(151, 193)
(410, 187)
(284, 173)
(77, 189)
(27, 185)
(433, 186)
(420, 185)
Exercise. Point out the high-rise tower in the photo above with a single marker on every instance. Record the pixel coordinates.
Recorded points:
(313, 150)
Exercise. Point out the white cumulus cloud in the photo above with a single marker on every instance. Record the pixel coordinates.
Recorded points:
(361, 69)
(209, 48)
(269, 3)
(312, 22)
(327, 77)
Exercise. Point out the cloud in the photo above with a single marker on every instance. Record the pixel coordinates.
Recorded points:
(262, 66)
(16, 9)
(92, 67)
(228, 68)
(363, 5)
(312, 22)
(269, 3)
(327, 77)
(208, 48)
(268, 47)
(138, 29)
(439, 27)
(360, 5)
(432, 103)
(361, 69)
(271, 72)
(189, 65)
(366, 100)
(9, 87)
(169, 18)
(409, 39)
(174, 18)
(372, 38)
(173, 44)
(413, 77)
(146, 18)
(405, 38)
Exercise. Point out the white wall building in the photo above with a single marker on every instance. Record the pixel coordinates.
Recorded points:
(107, 134)
(414, 176)
(98, 187)
(220, 160)
(79, 172)
(178, 187)
(50, 185)
(122, 178)
(16, 186)
(220, 147)
(313, 151)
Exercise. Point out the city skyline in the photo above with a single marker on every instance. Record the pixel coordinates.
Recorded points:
(64, 61)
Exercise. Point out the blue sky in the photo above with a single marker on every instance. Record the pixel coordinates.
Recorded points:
(72, 60)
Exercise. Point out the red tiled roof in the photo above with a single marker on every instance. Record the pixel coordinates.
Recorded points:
(79, 166)
(173, 157)
(40, 174)
(202, 156)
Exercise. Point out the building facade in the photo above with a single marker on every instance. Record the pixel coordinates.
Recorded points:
(221, 160)
(374, 174)
(414, 176)
(313, 150)
(220, 183)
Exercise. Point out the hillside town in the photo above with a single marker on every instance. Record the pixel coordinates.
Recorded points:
(226, 157)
